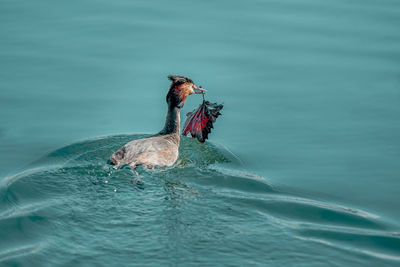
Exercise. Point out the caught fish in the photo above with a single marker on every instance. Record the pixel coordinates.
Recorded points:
(200, 121)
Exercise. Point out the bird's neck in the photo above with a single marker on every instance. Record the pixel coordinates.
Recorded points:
(172, 122)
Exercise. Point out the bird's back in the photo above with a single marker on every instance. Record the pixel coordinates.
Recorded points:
(162, 150)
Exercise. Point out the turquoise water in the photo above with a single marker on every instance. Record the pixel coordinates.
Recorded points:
(302, 168)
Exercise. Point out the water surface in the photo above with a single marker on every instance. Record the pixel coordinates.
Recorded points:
(301, 169)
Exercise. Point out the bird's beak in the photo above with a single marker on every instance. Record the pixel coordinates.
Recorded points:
(199, 90)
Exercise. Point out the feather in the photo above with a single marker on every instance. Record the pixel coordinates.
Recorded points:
(200, 121)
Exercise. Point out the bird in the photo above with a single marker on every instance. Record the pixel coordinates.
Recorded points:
(161, 149)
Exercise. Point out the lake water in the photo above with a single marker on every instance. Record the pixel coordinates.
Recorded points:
(302, 168)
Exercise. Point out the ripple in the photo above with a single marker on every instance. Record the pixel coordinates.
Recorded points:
(21, 251)
(378, 244)
(27, 209)
(8, 180)
(72, 191)
(296, 210)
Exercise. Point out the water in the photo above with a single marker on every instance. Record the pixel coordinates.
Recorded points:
(301, 169)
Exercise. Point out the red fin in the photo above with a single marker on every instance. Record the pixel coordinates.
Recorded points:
(200, 121)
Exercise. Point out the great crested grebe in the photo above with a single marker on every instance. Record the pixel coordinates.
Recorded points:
(160, 149)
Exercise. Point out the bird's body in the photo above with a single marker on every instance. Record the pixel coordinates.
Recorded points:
(161, 149)
(151, 151)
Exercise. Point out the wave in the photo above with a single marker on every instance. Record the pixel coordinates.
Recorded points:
(72, 191)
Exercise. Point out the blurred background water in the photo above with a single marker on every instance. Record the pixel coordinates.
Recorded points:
(302, 168)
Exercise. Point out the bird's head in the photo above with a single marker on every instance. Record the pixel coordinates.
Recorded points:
(181, 87)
